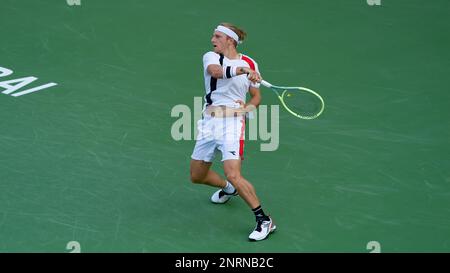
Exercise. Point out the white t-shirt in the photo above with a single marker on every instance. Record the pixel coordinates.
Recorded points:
(227, 91)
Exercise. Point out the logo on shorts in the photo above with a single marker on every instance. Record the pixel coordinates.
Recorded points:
(232, 152)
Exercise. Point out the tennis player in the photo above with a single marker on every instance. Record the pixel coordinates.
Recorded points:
(228, 75)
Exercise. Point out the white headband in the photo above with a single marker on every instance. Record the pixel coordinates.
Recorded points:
(229, 32)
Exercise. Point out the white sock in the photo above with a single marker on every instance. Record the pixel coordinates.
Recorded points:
(229, 188)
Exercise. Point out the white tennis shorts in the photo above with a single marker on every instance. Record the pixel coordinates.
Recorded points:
(224, 134)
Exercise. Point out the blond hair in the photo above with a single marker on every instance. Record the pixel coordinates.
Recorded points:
(240, 32)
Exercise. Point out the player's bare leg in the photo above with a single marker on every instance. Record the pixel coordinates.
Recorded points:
(232, 169)
(264, 224)
(202, 174)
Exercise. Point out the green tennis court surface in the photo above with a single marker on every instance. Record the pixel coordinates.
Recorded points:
(92, 159)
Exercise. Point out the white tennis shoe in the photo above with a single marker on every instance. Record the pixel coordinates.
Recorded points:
(221, 197)
(262, 230)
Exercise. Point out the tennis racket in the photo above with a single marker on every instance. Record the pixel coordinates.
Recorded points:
(301, 102)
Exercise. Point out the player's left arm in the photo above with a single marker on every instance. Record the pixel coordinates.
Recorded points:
(255, 99)
(255, 93)
(253, 103)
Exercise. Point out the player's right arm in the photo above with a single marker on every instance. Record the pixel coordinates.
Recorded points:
(212, 65)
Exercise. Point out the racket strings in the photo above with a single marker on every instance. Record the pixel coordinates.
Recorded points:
(303, 103)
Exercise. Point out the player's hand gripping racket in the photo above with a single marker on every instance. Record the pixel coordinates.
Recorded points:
(301, 102)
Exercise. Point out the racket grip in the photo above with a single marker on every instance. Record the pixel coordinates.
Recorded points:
(266, 84)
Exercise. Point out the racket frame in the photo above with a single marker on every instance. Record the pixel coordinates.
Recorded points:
(280, 97)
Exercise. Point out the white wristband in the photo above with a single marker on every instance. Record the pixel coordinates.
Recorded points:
(233, 71)
(229, 72)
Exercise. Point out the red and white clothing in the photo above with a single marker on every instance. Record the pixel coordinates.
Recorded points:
(220, 134)
(227, 91)
(224, 134)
